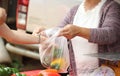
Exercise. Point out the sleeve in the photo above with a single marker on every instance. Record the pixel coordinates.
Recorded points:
(110, 31)
(69, 17)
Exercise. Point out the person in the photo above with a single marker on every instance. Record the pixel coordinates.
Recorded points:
(14, 36)
(92, 27)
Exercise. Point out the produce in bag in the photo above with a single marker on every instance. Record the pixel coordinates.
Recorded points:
(54, 53)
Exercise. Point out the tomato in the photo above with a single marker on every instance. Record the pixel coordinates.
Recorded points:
(49, 72)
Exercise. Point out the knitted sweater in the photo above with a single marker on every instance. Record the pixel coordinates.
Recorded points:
(107, 35)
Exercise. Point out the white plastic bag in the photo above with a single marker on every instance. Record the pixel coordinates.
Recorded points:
(54, 53)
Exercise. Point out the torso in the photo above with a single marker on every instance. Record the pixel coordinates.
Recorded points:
(81, 46)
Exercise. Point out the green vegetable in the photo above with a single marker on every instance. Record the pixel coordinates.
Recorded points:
(14, 70)
(7, 71)
(3, 72)
(55, 66)
(57, 53)
(23, 75)
(18, 74)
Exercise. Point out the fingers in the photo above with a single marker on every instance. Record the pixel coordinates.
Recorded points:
(69, 31)
(63, 31)
(65, 34)
(38, 30)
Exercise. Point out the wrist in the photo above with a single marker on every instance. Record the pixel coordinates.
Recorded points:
(79, 31)
(84, 32)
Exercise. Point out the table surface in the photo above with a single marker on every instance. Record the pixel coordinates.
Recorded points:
(111, 56)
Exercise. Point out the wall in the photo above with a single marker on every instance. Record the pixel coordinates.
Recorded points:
(48, 13)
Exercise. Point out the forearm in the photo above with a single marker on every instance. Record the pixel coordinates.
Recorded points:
(23, 38)
(18, 37)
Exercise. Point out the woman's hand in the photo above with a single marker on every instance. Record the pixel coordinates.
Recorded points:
(2, 16)
(69, 31)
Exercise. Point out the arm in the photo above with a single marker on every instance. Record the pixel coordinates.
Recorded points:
(109, 32)
(15, 36)
(73, 30)
(18, 37)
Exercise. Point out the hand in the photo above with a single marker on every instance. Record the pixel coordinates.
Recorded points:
(38, 30)
(2, 16)
(69, 31)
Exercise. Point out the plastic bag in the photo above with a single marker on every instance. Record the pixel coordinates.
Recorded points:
(54, 53)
